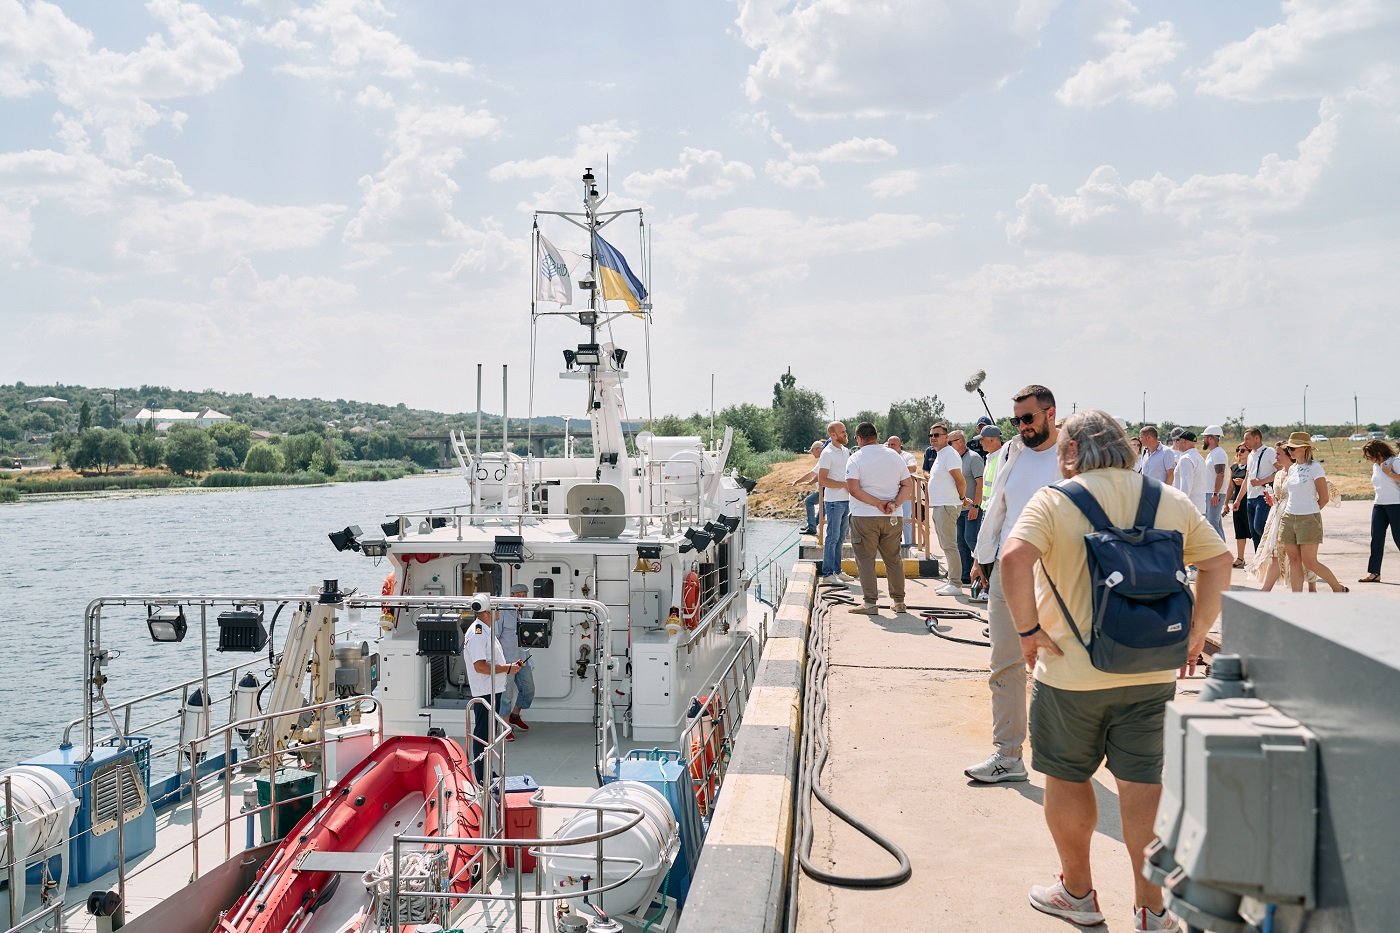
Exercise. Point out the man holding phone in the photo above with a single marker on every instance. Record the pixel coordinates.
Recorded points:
(487, 673)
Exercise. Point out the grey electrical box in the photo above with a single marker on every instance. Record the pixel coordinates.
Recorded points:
(1249, 812)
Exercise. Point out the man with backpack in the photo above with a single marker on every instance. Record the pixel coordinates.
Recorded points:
(1094, 575)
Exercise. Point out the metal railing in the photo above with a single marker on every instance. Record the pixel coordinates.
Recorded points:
(707, 741)
(41, 916)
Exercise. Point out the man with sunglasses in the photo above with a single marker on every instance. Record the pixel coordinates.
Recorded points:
(1028, 462)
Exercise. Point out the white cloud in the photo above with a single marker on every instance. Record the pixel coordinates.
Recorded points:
(827, 58)
(343, 39)
(1108, 215)
(855, 149)
(753, 248)
(1321, 47)
(593, 143)
(113, 92)
(161, 235)
(242, 285)
(412, 197)
(791, 175)
(894, 184)
(702, 174)
(1130, 68)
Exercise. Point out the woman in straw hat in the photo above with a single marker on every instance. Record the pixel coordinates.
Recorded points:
(1301, 527)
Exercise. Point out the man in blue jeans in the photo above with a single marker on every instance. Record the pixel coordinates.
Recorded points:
(831, 480)
(970, 518)
(1259, 475)
(809, 501)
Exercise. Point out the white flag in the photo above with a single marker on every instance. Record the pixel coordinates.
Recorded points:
(552, 276)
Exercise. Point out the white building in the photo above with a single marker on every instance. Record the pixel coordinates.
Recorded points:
(164, 418)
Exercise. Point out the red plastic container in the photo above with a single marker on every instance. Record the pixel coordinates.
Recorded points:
(522, 822)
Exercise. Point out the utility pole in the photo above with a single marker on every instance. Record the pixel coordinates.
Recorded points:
(1356, 413)
(1144, 408)
(1305, 407)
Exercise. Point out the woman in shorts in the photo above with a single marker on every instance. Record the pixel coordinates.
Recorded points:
(1301, 527)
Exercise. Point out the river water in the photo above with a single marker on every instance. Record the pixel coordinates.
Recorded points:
(62, 554)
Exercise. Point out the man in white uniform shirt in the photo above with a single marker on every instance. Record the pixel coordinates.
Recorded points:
(879, 483)
(1217, 477)
(1190, 475)
(947, 494)
(1027, 463)
(831, 480)
(893, 442)
(487, 676)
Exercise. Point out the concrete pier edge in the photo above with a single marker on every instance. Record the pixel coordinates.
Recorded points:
(741, 881)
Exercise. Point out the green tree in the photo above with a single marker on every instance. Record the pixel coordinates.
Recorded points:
(107, 414)
(86, 453)
(798, 418)
(115, 449)
(38, 422)
(263, 458)
(148, 449)
(84, 416)
(425, 455)
(61, 445)
(1393, 429)
(754, 421)
(225, 458)
(921, 412)
(867, 415)
(298, 449)
(330, 458)
(897, 424)
(786, 382)
(234, 435)
(189, 450)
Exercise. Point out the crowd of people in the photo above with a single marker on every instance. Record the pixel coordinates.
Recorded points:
(1004, 529)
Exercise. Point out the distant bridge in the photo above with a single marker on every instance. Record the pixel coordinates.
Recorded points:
(537, 439)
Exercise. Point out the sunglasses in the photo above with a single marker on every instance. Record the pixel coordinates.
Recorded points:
(932, 436)
(1028, 417)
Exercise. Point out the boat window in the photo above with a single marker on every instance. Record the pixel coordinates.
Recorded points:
(543, 588)
(485, 578)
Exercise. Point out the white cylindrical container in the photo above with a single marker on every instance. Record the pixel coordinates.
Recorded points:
(653, 842)
(194, 723)
(245, 703)
(44, 807)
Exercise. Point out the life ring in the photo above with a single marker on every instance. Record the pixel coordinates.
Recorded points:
(690, 600)
(390, 584)
(707, 751)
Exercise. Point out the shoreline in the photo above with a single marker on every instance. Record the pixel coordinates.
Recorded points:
(185, 490)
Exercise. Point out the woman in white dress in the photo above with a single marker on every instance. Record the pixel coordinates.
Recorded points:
(1301, 527)
(1270, 560)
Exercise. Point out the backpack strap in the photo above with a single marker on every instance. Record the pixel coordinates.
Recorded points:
(1086, 503)
(1064, 610)
(1147, 505)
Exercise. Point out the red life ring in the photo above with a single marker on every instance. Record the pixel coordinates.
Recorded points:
(690, 600)
(388, 590)
(707, 752)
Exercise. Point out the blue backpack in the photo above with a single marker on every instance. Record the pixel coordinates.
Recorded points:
(1139, 591)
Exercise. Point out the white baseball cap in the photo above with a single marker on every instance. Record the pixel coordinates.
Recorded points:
(1213, 430)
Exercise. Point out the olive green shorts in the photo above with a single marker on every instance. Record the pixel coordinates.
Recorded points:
(1072, 731)
(1301, 529)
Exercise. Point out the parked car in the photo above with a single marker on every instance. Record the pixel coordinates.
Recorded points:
(1319, 437)
(1375, 436)
(1359, 437)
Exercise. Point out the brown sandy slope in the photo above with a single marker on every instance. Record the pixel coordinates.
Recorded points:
(775, 496)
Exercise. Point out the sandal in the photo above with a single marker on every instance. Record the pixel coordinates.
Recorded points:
(1370, 578)
(1239, 563)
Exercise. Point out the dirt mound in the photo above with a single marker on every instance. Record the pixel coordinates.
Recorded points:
(776, 496)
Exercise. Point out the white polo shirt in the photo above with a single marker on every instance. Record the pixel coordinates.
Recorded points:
(833, 460)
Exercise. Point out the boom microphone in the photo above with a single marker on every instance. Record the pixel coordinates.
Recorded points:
(974, 384)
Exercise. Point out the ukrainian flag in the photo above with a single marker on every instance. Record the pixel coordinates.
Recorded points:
(616, 277)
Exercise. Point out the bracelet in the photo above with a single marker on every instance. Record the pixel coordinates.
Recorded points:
(1031, 632)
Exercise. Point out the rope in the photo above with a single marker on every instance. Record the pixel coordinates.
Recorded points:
(417, 873)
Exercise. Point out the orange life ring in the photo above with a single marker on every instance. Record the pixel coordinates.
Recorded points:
(387, 590)
(690, 600)
(707, 747)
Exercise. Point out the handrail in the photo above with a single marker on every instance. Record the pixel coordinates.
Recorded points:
(56, 908)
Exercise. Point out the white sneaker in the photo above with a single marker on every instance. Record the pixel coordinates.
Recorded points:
(1148, 922)
(979, 598)
(949, 589)
(998, 768)
(846, 577)
(1056, 901)
(831, 579)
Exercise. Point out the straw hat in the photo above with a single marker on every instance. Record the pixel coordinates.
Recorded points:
(1299, 439)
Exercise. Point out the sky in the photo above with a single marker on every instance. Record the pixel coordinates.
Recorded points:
(1188, 207)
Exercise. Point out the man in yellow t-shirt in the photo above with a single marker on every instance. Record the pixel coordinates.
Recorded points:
(1080, 715)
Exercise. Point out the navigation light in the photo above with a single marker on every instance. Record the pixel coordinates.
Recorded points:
(167, 624)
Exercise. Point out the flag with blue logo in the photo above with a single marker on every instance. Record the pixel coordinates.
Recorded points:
(551, 275)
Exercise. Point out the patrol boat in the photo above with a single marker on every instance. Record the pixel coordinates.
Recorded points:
(201, 805)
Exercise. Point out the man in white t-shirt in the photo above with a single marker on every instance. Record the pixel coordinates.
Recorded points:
(906, 511)
(831, 480)
(1190, 475)
(947, 495)
(878, 479)
(1027, 463)
(1259, 476)
(1217, 477)
(487, 675)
